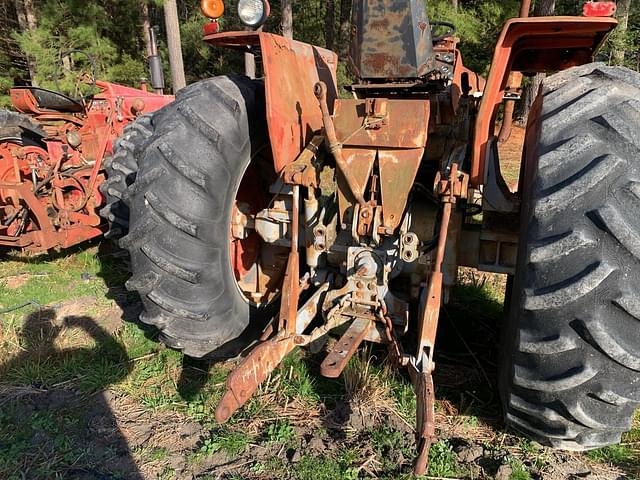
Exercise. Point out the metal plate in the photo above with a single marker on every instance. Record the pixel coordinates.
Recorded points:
(405, 126)
(291, 70)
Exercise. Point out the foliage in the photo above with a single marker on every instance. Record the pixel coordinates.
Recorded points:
(443, 462)
(281, 431)
(110, 33)
(87, 27)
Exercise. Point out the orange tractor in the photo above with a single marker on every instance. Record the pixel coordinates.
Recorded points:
(53, 155)
(232, 223)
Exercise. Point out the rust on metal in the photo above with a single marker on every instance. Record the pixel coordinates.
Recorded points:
(66, 165)
(337, 359)
(359, 161)
(388, 46)
(535, 44)
(291, 283)
(243, 382)
(320, 91)
(398, 169)
(303, 171)
(291, 70)
(395, 123)
(428, 323)
(514, 83)
(425, 419)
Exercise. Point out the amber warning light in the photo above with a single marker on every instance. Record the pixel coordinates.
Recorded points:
(212, 8)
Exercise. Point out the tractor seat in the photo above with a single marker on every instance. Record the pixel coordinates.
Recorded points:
(50, 100)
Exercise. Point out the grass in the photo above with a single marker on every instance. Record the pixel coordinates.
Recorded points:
(320, 468)
(233, 443)
(443, 462)
(518, 470)
(76, 345)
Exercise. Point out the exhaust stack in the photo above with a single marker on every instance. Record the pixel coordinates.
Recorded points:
(155, 64)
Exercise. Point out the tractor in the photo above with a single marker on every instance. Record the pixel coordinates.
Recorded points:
(236, 227)
(53, 154)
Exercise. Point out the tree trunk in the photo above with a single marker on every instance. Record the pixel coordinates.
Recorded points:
(345, 29)
(543, 8)
(287, 18)
(28, 22)
(172, 26)
(454, 5)
(621, 31)
(330, 24)
(146, 26)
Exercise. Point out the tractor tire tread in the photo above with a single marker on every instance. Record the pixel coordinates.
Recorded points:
(121, 168)
(571, 347)
(180, 212)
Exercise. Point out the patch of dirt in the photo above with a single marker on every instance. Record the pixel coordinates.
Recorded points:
(511, 156)
(119, 438)
(16, 281)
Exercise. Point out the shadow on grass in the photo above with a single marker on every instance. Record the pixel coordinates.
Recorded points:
(115, 271)
(20, 257)
(48, 430)
(467, 352)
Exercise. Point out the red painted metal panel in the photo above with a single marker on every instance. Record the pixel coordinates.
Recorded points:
(291, 69)
(599, 9)
(533, 44)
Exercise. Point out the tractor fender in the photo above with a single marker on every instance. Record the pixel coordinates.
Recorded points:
(291, 69)
(532, 45)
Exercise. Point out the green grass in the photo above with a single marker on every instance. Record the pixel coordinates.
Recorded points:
(40, 355)
(443, 462)
(613, 454)
(324, 468)
(519, 470)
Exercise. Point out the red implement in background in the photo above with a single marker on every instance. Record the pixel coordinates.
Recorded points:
(49, 177)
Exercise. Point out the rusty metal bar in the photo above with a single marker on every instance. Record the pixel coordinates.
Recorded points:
(425, 420)
(250, 373)
(423, 367)
(334, 363)
(291, 283)
(514, 81)
(320, 91)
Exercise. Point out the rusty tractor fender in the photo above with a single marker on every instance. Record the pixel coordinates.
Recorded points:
(291, 70)
(532, 45)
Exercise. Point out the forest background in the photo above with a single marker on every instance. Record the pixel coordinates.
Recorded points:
(37, 37)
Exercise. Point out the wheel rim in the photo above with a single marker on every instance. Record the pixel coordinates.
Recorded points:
(258, 267)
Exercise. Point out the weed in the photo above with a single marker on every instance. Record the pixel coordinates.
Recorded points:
(209, 447)
(44, 421)
(443, 461)
(230, 442)
(321, 468)
(385, 439)
(613, 454)
(470, 421)
(158, 454)
(518, 470)
(167, 474)
(280, 431)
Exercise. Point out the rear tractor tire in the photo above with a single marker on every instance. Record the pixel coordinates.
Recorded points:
(197, 171)
(571, 361)
(122, 169)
